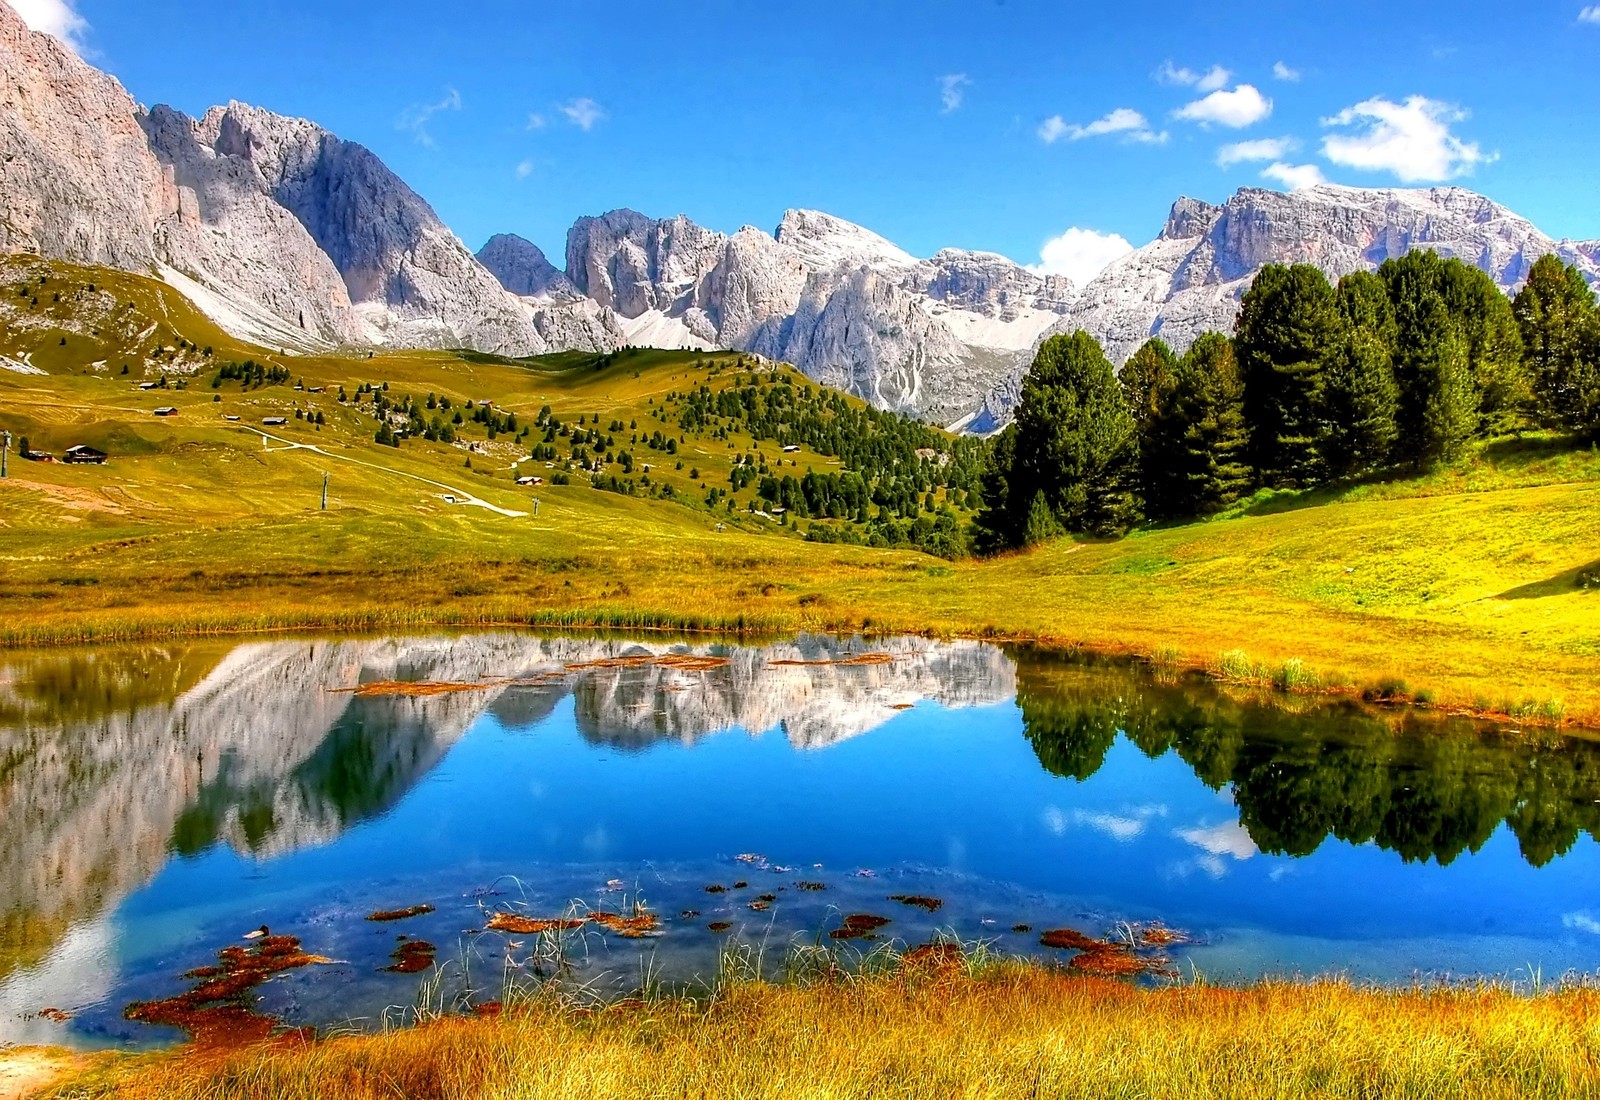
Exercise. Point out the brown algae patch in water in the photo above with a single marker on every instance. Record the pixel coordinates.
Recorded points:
(1069, 939)
(385, 915)
(1113, 960)
(519, 925)
(919, 901)
(846, 662)
(636, 925)
(858, 926)
(640, 925)
(417, 688)
(411, 957)
(219, 1010)
(1156, 934)
(683, 662)
(810, 886)
(1104, 958)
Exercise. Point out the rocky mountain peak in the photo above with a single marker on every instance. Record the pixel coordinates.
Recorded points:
(1190, 218)
(824, 241)
(522, 268)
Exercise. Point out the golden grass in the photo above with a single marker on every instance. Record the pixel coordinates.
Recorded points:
(1008, 1031)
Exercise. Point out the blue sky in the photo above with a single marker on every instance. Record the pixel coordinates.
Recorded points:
(992, 124)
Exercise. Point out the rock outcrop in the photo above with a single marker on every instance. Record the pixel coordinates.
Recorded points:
(279, 230)
(522, 268)
(77, 178)
(843, 304)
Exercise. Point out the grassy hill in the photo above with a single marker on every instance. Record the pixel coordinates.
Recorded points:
(1466, 586)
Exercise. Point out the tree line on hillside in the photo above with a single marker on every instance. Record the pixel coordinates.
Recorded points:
(1395, 371)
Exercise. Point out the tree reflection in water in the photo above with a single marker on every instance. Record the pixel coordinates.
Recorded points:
(1303, 770)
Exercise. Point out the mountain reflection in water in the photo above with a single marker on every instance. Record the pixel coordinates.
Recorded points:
(114, 760)
(122, 765)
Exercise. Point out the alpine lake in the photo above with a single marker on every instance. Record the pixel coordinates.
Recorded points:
(206, 837)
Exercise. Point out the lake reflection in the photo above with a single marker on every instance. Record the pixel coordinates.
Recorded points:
(156, 802)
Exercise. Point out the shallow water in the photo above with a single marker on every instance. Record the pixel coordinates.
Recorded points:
(156, 803)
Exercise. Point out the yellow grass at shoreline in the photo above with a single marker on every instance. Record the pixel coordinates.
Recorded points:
(1008, 1030)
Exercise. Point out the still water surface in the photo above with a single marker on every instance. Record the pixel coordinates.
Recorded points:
(158, 802)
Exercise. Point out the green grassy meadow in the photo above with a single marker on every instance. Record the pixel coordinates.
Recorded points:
(1465, 588)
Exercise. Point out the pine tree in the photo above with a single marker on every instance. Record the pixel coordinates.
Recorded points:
(1362, 401)
(1148, 380)
(1041, 525)
(1073, 442)
(1363, 300)
(1556, 314)
(1451, 415)
(997, 525)
(1288, 323)
(1483, 315)
(1438, 409)
(1208, 403)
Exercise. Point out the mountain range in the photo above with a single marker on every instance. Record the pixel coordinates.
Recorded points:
(290, 236)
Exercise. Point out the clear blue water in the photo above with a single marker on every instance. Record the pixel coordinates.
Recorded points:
(159, 803)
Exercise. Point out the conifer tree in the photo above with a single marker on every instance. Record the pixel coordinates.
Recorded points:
(1438, 409)
(1288, 324)
(1482, 314)
(1556, 314)
(1148, 379)
(1362, 401)
(1209, 406)
(1073, 442)
(1363, 300)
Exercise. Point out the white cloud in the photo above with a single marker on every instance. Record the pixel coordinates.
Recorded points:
(1208, 81)
(416, 117)
(1590, 14)
(1125, 122)
(1294, 176)
(1120, 827)
(1282, 72)
(1244, 106)
(525, 169)
(1582, 922)
(952, 89)
(537, 121)
(1080, 254)
(582, 112)
(1411, 139)
(1226, 839)
(54, 17)
(1242, 152)
(1173, 75)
